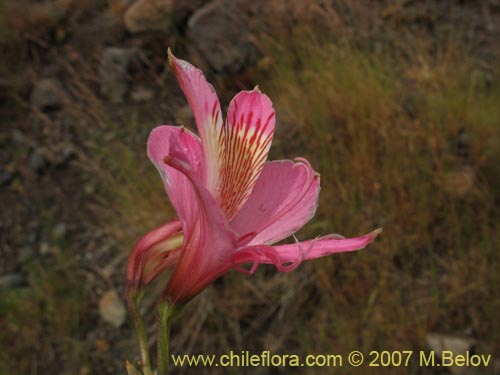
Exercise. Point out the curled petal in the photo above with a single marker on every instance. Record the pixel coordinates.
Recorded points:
(288, 257)
(326, 245)
(154, 253)
(160, 262)
(283, 200)
(258, 254)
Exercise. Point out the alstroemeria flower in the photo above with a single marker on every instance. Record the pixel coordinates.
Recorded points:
(232, 205)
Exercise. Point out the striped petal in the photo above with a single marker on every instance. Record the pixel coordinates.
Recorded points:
(205, 105)
(284, 199)
(234, 151)
(247, 137)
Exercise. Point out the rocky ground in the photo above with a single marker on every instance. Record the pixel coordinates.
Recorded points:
(71, 69)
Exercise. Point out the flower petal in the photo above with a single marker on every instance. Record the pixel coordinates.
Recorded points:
(288, 257)
(153, 253)
(208, 240)
(161, 260)
(324, 246)
(247, 137)
(205, 105)
(258, 254)
(160, 143)
(234, 152)
(283, 200)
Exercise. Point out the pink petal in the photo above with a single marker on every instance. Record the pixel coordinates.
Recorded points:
(247, 137)
(208, 240)
(235, 152)
(152, 251)
(258, 254)
(205, 105)
(324, 246)
(178, 187)
(288, 257)
(283, 200)
(161, 262)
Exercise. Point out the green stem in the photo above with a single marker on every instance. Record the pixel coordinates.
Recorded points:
(165, 313)
(141, 334)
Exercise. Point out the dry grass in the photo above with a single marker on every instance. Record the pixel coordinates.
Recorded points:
(406, 140)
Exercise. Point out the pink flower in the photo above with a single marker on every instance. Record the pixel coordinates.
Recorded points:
(232, 205)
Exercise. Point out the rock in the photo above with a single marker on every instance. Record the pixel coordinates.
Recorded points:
(37, 162)
(48, 94)
(24, 254)
(112, 309)
(113, 68)
(89, 188)
(102, 345)
(11, 280)
(220, 31)
(65, 153)
(148, 15)
(5, 178)
(105, 27)
(439, 342)
(17, 137)
(183, 9)
(457, 345)
(46, 16)
(59, 231)
(142, 94)
(45, 249)
(57, 11)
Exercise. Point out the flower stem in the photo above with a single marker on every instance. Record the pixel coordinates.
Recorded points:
(141, 333)
(165, 313)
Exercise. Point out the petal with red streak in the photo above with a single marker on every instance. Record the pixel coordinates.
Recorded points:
(206, 109)
(283, 200)
(247, 137)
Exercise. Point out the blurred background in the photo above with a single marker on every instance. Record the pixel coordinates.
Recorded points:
(395, 104)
